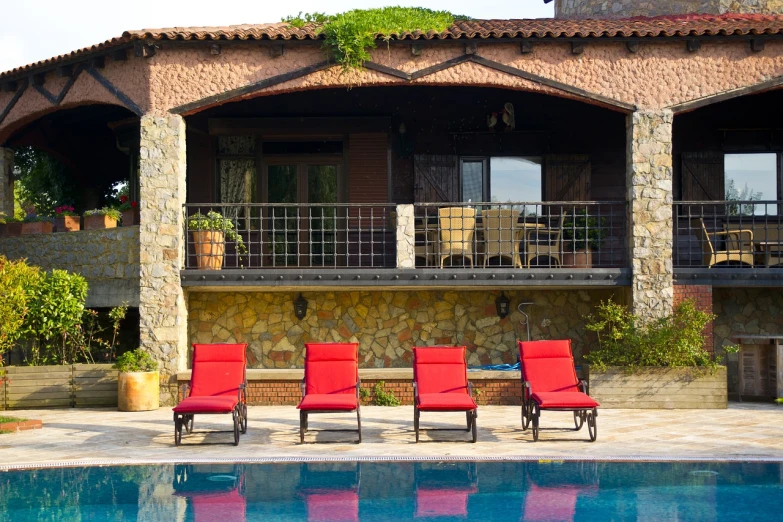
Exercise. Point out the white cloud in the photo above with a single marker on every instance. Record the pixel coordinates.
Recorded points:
(40, 29)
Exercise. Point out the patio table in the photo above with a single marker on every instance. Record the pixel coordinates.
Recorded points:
(770, 250)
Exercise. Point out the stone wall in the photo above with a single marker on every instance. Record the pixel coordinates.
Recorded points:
(162, 309)
(108, 259)
(628, 8)
(6, 182)
(745, 310)
(386, 324)
(649, 183)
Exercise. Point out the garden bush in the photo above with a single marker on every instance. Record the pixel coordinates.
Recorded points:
(15, 278)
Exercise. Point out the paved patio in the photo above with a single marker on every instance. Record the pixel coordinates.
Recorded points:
(743, 431)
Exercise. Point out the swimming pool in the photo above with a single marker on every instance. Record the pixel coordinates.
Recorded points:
(450, 490)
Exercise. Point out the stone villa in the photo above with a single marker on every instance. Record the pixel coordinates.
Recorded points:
(648, 131)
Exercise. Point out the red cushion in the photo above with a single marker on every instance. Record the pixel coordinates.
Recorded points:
(333, 401)
(442, 502)
(548, 366)
(218, 506)
(550, 504)
(446, 402)
(332, 506)
(218, 369)
(564, 400)
(331, 368)
(440, 369)
(219, 404)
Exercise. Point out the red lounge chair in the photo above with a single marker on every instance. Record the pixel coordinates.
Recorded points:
(440, 383)
(209, 499)
(331, 382)
(217, 385)
(441, 491)
(330, 496)
(549, 382)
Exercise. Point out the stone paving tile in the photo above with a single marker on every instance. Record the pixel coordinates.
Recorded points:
(741, 431)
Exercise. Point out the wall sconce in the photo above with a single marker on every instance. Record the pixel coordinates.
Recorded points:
(300, 307)
(402, 128)
(503, 305)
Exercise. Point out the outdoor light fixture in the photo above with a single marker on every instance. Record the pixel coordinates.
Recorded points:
(503, 305)
(300, 307)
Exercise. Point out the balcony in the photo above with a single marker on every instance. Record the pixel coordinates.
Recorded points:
(371, 245)
(726, 243)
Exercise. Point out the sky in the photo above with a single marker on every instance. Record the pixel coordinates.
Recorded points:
(34, 30)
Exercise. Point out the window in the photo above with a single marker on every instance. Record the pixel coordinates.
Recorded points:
(508, 179)
(752, 177)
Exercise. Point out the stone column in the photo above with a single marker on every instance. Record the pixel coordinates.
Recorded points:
(162, 306)
(6, 181)
(650, 222)
(406, 250)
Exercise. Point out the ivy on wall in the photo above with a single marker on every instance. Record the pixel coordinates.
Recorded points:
(349, 37)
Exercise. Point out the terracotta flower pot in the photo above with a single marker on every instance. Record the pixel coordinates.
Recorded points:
(68, 223)
(138, 391)
(210, 246)
(37, 227)
(13, 229)
(98, 222)
(578, 259)
(130, 217)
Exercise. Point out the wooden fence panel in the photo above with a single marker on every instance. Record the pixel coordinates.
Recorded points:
(94, 385)
(78, 385)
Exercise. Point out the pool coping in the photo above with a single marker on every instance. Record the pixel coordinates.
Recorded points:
(295, 460)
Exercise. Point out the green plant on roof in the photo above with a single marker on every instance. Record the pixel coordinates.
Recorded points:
(349, 36)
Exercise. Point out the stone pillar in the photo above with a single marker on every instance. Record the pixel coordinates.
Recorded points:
(6, 181)
(162, 306)
(650, 222)
(406, 237)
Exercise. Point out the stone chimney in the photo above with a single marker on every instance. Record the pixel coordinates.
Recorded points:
(628, 8)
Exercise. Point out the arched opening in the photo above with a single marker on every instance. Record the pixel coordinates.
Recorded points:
(728, 182)
(77, 157)
(431, 146)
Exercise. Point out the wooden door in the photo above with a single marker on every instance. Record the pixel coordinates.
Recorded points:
(567, 177)
(436, 178)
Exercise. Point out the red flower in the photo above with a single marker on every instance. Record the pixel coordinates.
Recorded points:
(134, 204)
(123, 199)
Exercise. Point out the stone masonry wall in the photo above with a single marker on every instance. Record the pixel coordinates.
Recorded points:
(629, 8)
(162, 309)
(6, 182)
(386, 324)
(108, 259)
(649, 182)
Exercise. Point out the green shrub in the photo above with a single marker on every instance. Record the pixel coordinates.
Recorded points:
(136, 360)
(384, 398)
(214, 221)
(16, 278)
(349, 36)
(673, 341)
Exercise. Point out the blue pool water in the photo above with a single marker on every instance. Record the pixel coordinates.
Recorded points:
(342, 491)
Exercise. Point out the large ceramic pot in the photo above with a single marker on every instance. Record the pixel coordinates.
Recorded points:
(13, 229)
(138, 391)
(210, 246)
(98, 222)
(37, 227)
(68, 224)
(130, 217)
(578, 259)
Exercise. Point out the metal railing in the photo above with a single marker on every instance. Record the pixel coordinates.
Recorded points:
(728, 234)
(521, 235)
(341, 235)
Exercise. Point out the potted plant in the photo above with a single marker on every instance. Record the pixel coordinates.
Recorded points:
(66, 219)
(13, 227)
(210, 233)
(582, 235)
(98, 218)
(130, 211)
(138, 387)
(33, 223)
(661, 363)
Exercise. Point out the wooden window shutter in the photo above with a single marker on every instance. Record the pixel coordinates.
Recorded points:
(436, 178)
(567, 177)
(703, 176)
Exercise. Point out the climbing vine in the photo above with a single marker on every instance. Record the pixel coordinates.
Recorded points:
(349, 37)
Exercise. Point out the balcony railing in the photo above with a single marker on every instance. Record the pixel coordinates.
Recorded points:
(296, 235)
(711, 234)
(521, 235)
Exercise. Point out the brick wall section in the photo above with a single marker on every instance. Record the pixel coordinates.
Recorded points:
(367, 168)
(288, 393)
(702, 294)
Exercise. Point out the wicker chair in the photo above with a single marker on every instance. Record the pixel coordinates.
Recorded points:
(738, 250)
(545, 242)
(501, 236)
(457, 229)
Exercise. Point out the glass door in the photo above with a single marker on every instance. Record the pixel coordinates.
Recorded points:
(282, 221)
(323, 220)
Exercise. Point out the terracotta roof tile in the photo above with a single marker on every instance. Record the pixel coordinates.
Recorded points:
(643, 27)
